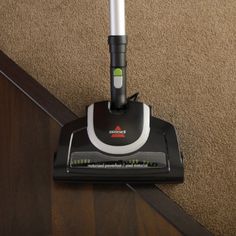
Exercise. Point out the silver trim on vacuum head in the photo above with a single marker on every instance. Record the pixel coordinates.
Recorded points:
(119, 150)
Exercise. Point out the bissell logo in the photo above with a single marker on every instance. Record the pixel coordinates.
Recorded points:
(117, 132)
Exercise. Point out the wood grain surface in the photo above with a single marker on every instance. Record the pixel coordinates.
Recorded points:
(25, 164)
(31, 203)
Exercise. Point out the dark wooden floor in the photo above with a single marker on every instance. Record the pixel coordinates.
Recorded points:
(32, 204)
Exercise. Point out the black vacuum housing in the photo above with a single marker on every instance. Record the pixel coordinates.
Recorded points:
(158, 160)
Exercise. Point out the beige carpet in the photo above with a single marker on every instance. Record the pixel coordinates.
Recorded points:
(182, 58)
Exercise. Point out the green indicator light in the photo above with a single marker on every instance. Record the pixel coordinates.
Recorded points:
(117, 72)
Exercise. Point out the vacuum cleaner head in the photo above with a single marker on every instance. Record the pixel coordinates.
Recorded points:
(127, 146)
(118, 141)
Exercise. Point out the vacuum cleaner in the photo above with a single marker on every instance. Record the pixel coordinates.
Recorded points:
(118, 141)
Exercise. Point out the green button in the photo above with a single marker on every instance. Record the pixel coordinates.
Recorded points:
(117, 72)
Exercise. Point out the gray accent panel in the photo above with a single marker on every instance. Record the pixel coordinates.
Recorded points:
(118, 82)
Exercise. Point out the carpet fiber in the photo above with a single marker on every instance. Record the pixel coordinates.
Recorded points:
(181, 58)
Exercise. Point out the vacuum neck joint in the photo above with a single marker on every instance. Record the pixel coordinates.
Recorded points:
(117, 48)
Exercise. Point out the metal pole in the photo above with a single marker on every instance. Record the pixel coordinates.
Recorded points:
(117, 17)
